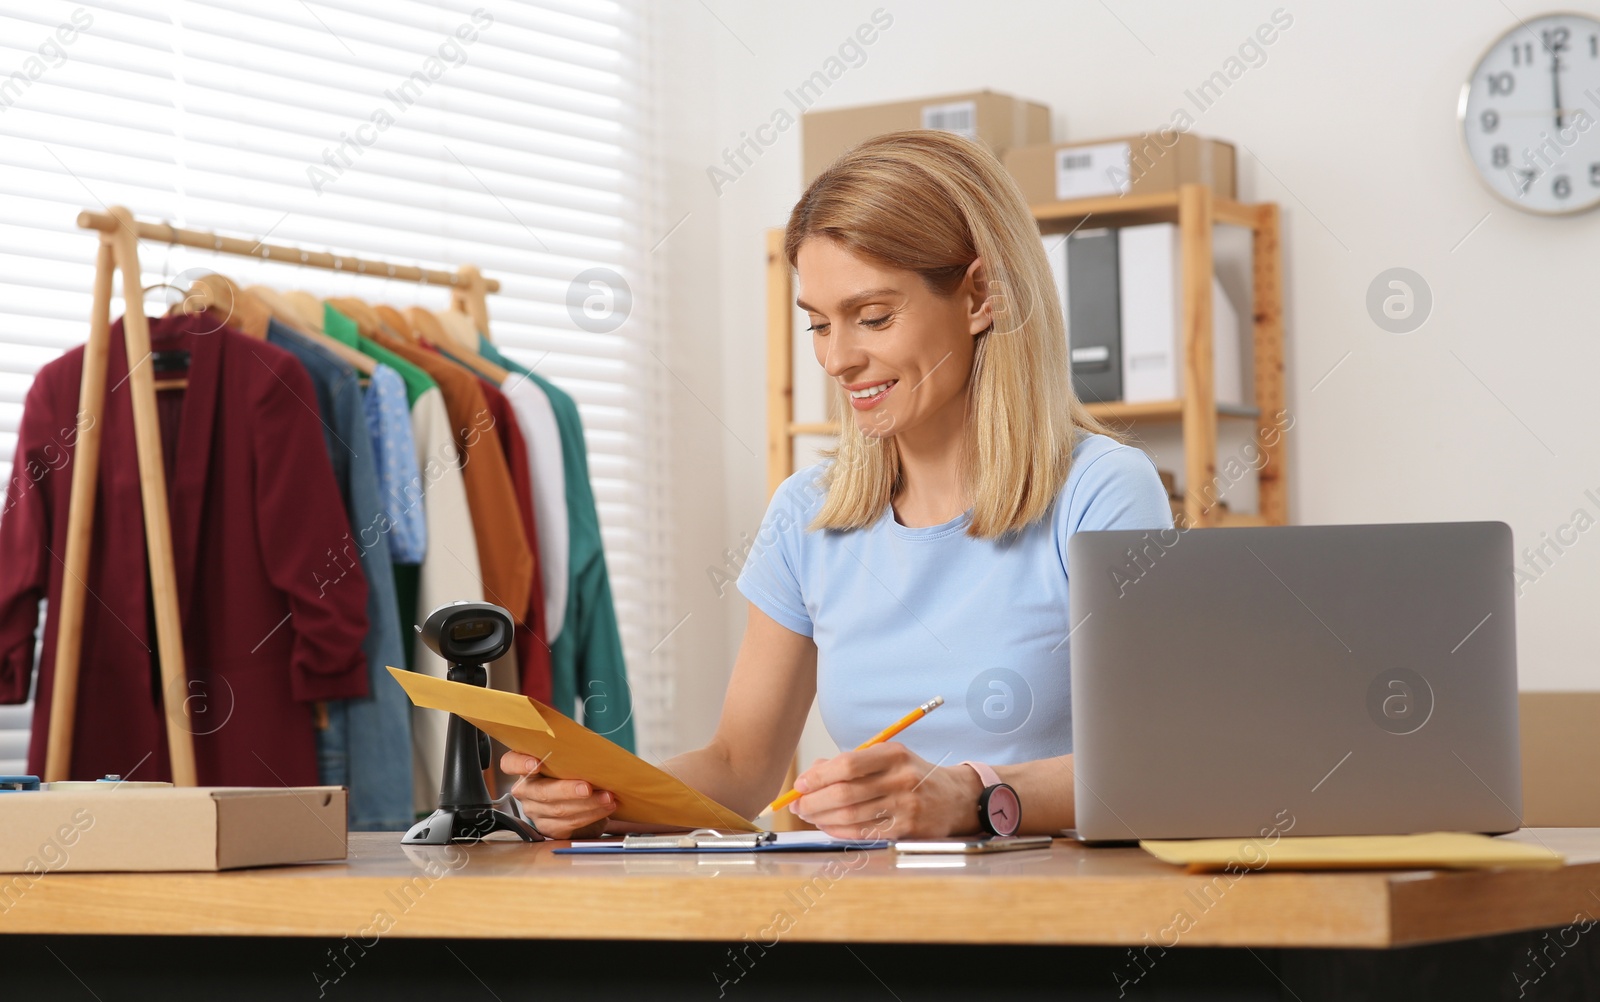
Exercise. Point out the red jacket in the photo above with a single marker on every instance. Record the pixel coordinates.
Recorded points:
(532, 639)
(271, 594)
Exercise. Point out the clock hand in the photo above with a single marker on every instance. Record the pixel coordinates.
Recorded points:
(1555, 83)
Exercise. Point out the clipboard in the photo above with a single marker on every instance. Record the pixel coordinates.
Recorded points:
(568, 750)
(710, 840)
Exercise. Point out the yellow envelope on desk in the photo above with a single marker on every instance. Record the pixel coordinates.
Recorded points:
(1436, 850)
(568, 750)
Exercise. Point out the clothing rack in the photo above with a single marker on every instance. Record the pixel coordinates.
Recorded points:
(120, 234)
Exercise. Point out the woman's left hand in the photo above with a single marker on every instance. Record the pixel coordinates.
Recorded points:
(886, 791)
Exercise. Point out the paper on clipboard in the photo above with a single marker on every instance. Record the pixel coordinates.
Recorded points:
(568, 750)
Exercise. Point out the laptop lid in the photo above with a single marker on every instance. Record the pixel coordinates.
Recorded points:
(1308, 680)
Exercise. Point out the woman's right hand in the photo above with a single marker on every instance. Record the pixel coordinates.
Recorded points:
(558, 808)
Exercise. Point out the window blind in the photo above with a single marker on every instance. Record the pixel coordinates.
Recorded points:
(513, 136)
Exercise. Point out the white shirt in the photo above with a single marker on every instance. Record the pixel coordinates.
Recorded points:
(537, 420)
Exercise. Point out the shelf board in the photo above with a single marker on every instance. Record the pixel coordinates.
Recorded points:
(1152, 410)
(1133, 210)
(1222, 518)
(1233, 519)
(1161, 410)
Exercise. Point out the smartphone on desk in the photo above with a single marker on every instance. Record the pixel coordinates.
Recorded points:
(974, 846)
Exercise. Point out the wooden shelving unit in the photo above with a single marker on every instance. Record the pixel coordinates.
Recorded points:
(1196, 211)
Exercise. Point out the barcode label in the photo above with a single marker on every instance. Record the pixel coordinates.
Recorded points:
(1091, 171)
(960, 117)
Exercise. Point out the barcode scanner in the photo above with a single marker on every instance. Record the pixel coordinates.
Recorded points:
(468, 635)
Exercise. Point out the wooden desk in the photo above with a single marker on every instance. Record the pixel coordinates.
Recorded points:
(1061, 896)
(1065, 895)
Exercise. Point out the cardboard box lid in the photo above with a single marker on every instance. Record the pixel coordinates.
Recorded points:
(985, 98)
(1000, 120)
(175, 828)
(1153, 166)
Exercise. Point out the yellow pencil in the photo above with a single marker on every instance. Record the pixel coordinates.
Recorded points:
(877, 739)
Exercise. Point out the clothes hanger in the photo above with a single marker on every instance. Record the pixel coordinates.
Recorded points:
(308, 307)
(431, 327)
(396, 321)
(286, 312)
(222, 298)
(166, 277)
(460, 327)
(427, 327)
(358, 310)
(166, 361)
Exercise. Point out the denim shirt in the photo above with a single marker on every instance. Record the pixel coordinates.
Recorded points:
(367, 743)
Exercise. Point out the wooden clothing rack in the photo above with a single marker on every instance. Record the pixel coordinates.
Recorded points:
(120, 234)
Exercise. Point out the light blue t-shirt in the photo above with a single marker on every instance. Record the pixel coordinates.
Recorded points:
(900, 615)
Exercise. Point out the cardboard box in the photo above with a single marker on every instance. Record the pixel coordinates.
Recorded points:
(1126, 165)
(1560, 759)
(999, 120)
(176, 828)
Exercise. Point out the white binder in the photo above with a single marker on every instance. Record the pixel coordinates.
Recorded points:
(1149, 266)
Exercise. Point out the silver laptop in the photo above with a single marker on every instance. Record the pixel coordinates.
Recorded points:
(1308, 680)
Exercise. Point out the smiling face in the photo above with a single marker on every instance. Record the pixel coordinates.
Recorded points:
(902, 351)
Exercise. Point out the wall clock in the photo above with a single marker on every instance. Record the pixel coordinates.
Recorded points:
(1530, 114)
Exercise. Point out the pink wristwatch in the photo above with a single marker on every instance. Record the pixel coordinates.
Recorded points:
(999, 809)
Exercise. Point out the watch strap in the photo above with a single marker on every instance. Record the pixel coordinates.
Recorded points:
(986, 775)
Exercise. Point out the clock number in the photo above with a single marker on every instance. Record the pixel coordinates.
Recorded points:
(1490, 119)
(1502, 155)
(1594, 45)
(1594, 175)
(1561, 186)
(1522, 54)
(1555, 39)
(1500, 83)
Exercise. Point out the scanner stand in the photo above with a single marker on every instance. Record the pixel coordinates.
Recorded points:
(465, 813)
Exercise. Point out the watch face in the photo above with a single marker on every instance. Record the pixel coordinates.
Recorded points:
(1003, 809)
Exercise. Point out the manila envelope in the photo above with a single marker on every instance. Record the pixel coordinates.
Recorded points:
(568, 750)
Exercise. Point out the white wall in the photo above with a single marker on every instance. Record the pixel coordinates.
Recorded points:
(1349, 125)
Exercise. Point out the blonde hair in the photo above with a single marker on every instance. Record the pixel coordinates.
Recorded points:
(932, 202)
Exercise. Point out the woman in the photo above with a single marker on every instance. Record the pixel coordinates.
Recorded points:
(928, 556)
